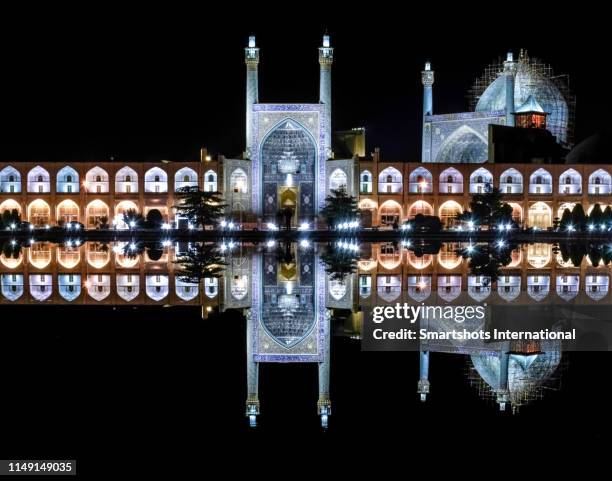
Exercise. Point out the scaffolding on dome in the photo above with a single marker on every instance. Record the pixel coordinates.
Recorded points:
(538, 70)
(535, 384)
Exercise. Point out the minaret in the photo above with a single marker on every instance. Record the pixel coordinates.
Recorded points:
(324, 403)
(252, 402)
(502, 392)
(251, 59)
(423, 387)
(326, 59)
(509, 73)
(427, 77)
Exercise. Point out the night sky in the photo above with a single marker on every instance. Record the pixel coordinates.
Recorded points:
(156, 84)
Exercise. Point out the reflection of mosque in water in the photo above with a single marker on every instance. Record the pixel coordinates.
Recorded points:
(289, 300)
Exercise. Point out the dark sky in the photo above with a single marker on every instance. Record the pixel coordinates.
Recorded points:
(158, 84)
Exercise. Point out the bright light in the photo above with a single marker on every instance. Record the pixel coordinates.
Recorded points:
(224, 224)
(32, 241)
(165, 226)
(132, 246)
(304, 243)
(470, 249)
(602, 226)
(190, 226)
(87, 284)
(223, 247)
(272, 226)
(13, 242)
(47, 226)
(304, 226)
(289, 181)
(208, 308)
(270, 243)
(470, 225)
(31, 226)
(500, 243)
(508, 226)
(230, 225)
(422, 285)
(423, 184)
(405, 243)
(166, 243)
(132, 223)
(231, 244)
(570, 228)
(13, 226)
(69, 243)
(591, 227)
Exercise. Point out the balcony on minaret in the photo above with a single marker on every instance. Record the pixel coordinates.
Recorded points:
(326, 52)
(530, 115)
(251, 53)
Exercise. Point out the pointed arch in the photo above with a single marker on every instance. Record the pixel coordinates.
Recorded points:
(481, 180)
(600, 183)
(126, 181)
(540, 182)
(451, 181)
(420, 181)
(511, 181)
(570, 182)
(464, 145)
(10, 180)
(69, 286)
(390, 181)
(96, 180)
(39, 180)
(67, 180)
(67, 211)
(185, 177)
(156, 180)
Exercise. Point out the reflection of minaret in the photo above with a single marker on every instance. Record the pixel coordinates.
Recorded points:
(423, 387)
(324, 403)
(252, 403)
(326, 58)
(509, 73)
(251, 59)
(502, 392)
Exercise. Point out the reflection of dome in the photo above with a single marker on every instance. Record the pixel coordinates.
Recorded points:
(592, 150)
(532, 79)
(525, 373)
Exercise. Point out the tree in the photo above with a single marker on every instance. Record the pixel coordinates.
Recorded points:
(339, 262)
(596, 215)
(201, 261)
(606, 218)
(10, 217)
(154, 219)
(102, 222)
(488, 209)
(579, 218)
(566, 219)
(201, 208)
(133, 218)
(340, 207)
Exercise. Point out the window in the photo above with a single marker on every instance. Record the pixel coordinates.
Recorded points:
(11, 178)
(597, 180)
(186, 178)
(568, 180)
(450, 179)
(98, 178)
(538, 179)
(68, 178)
(41, 189)
(389, 178)
(128, 188)
(128, 178)
(156, 178)
(509, 180)
(39, 178)
(479, 179)
(69, 189)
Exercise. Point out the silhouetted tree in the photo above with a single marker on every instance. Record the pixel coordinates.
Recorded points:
(596, 215)
(579, 218)
(203, 260)
(133, 216)
(566, 219)
(201, 208)
(488, 209)
(340, 207)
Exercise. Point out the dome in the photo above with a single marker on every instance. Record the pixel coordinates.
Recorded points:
(525, 373)
(530, 80)
(592, 150)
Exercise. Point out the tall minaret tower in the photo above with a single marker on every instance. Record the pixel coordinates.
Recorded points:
(509, 73)
(427, 77)
(326, 59)
(251, 59)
